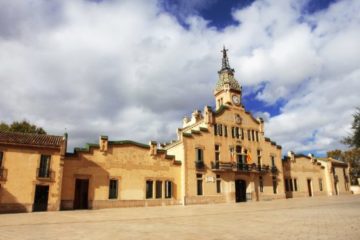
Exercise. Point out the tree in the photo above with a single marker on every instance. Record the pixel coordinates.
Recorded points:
(335, 154)
(354, 139)
(23, 126)
(352, 157)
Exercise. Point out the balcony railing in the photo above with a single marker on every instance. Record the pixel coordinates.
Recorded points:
(45, 175)
(241, 167)
(274, 170)
(3, 174)
(199, 165)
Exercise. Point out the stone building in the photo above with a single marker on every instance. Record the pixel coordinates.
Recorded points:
(120, 174)
(221, 155)
(224, 152)
(31, 168)
(307, 176)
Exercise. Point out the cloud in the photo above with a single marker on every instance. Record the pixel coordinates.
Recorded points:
(130, 70)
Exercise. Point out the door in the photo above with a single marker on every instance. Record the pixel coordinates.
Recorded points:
(41, 198)
(81, 194)
(309, 187)
(240, 190)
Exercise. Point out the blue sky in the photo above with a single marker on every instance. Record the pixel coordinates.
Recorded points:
(132, 69)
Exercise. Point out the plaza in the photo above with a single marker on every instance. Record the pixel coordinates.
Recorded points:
(335, 217)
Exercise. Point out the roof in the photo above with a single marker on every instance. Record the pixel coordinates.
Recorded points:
(30, 139)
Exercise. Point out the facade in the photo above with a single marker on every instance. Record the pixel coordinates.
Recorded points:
(221, 155)
(307, 176)
(224, 152)
(31, 168)
(120, 174)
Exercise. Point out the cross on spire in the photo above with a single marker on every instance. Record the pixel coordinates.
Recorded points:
(225, 60)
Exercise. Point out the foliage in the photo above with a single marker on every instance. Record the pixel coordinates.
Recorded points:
(352, 157)
(354, 139)
(23, 126)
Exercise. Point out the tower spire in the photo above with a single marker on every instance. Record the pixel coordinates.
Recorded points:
(225, 59)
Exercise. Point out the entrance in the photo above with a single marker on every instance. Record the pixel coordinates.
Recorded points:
(240, 190)
(41, 198)
(81, 194)
(309, 187)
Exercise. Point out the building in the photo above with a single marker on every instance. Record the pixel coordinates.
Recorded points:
(31, 168)
(120, 174)
(221, 155)
(224, 152)
(307, 176)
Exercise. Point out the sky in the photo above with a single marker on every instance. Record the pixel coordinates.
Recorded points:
(132, 69)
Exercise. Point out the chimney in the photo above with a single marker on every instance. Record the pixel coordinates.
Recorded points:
(153, 148)
(103, 143)
(63, 147)
(208, 117)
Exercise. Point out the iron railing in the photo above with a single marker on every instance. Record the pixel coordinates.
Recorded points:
(45, 174)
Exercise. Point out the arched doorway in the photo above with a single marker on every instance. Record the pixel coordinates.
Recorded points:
(240, 190)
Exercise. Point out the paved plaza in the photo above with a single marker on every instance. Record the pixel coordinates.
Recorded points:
(310, 218)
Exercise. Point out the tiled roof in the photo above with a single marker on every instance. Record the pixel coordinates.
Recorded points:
(30, 139)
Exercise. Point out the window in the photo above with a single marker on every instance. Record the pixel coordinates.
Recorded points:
(274, 185)
(217, 153)
(257, 136)
(233, 132)
(1, 158)
(44, 170)
(253, 135)
(168, 189)
(239, 158)
(286, 185)
(259, 157)
(113, 189)
(249, 135)
(320, 184)
(291, 185)
(199, 155)
(218, 184)
(215, 130)
(158, 189)
(149, 189)
(272, 161)
(242, 134)
(199, 184)
(220, 129)
(225, 131)
(261, 183)
(295, 184)
(237, 133)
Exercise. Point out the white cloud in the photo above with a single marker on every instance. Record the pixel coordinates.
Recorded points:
(130, 70)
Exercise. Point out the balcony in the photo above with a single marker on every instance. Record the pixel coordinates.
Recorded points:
(45, 175)
(239, 167)
(274, 170)
(3, 174)
(199, 165)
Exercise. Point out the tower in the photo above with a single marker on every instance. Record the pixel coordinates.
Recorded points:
(228, 90)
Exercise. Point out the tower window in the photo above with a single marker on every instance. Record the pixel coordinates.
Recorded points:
(225, 131)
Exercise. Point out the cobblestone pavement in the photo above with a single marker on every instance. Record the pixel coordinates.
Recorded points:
(307, 218)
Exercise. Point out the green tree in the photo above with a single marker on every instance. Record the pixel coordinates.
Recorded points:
(336, 154)
(23, 126)
(354, 139)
